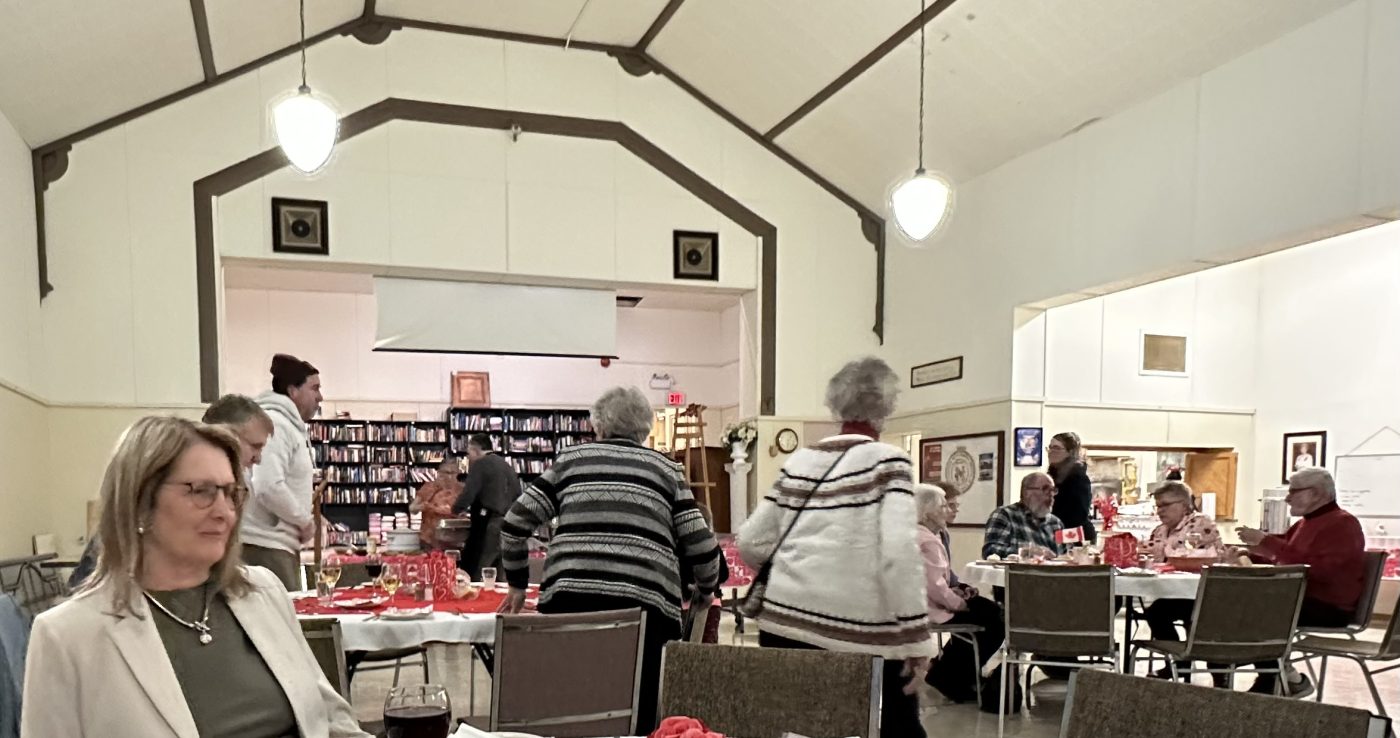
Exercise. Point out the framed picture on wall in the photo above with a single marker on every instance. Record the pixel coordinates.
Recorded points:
(1029, 446)
(1302, 450)
(300, 227)
(973, 465)
(695, 255)
(471, 389)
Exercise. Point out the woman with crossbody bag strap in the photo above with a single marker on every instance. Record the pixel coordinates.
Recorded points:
(835, 547)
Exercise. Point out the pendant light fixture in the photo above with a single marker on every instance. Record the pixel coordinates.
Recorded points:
(305, 123)
(922, 203)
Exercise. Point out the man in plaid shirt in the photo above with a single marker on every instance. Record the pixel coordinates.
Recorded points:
(1025, 523)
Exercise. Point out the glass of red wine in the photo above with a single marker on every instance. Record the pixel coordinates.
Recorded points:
(418, 711)
(374, 566)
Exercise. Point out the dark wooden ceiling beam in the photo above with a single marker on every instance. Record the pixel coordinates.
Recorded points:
(524, 38)
(654, 29)
(201, 36)
(859, 68)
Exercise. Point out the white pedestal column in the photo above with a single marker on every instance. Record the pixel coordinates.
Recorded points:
(738, 487)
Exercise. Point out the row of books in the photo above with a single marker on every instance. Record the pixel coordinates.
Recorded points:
(377, 432)
(519, 422)
(324, 454)
(366, 474)
(529, 466)
(368, 496)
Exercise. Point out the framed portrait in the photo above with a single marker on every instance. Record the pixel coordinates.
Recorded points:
(1029, 446)
(695, 255)
(300, 227)
(973, 465)
(471, 389)
(1302, 450)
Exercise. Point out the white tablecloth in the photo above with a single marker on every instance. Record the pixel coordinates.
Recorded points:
(361, 633)
(1177, 585)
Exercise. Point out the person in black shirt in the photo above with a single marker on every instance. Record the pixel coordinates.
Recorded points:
(1073, 493)
(492, 486)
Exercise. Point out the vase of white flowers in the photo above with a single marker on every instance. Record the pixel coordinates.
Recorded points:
(739, 436)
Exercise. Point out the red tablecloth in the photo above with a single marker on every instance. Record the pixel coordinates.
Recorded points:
(486, 602)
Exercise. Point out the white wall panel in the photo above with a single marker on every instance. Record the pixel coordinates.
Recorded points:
(436, 150)
(1225, 335)
(1279, 145)
(1028, 356)
(447, 223)
(1164, 308)
(247, 338)
(562, 231)
(319, 327)
(21, 346)
(1380, 132)
(549, 79)
(1074, 352)
(88, 319)
(446, 68)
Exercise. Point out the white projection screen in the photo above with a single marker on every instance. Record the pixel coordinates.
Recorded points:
(434, 316)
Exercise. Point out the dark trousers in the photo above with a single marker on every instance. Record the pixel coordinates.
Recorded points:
(483, 546)
(282, 563)
(660, 630)
(1314, 614)
(952, 674)
(899, 712)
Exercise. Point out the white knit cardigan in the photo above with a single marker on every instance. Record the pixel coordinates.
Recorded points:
(849, 577)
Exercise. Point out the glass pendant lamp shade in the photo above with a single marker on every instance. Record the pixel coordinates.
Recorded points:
(306, 127)
(921, 204)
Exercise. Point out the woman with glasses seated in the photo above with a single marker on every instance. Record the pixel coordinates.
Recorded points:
(1183, 532)
(171, 636)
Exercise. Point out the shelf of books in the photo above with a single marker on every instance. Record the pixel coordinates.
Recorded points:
(529, 438)
(373, 468)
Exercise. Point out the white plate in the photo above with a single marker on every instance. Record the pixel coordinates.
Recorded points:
(420, 613)
(358, 603)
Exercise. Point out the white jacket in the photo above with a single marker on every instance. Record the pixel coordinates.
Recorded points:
(278, 514)
(849, 577)
(93, 674)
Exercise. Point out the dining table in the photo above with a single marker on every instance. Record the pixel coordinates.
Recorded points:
(1147, 584)
(370, 621)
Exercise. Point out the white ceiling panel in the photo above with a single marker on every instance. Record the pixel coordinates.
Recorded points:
(1008, 78)
(762, 60)
(243, 30)
(66, 64)
(619, 22)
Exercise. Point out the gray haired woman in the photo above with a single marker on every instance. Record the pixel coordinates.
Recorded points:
(627, 523)
(839, 534)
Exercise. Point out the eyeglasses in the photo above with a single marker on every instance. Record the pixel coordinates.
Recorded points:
(1041, 488)
(1055, 447)
(203, 494)
(1299, 490)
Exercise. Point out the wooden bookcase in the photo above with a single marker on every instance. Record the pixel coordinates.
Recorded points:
(374, 465)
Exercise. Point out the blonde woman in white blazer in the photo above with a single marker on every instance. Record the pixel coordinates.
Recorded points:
(172, 637)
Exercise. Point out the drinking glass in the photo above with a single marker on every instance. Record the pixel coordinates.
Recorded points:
(488, 577)
(412, 573)
(328, 577)
(419, 711)
(374, 566)
(389, 579)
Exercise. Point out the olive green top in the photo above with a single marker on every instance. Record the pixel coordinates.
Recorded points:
(227, 685)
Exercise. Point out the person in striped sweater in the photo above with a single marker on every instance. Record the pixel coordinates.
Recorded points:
(626, 524)
(848, 576)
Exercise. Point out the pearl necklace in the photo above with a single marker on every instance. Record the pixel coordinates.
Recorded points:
(200, 626)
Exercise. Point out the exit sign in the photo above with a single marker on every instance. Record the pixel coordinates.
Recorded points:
(675, 399)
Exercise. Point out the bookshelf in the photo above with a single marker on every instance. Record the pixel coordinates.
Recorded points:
(529, 438)
(374, 467)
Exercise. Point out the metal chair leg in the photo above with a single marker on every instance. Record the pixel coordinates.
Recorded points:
(1001, 698)
(1321, 678)
(426, 680)
(1281, 683)
(976, 665)
(398, 664)
(1371, 682)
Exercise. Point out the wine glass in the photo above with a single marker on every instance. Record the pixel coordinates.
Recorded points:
(373, 567)
(1193, 540)
(389, 579)
(412, 577)
(488, 578)
(419, 711)
(328, 577)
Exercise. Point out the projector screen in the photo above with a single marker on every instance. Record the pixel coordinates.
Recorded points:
(434, 316)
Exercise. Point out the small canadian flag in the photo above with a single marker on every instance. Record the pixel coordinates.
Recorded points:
(1069, 535)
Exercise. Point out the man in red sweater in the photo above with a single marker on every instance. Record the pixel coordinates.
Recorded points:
(1330, 541)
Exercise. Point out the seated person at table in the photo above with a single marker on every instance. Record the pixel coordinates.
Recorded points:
(434, 499)
(1331, 543)
(1183, 532)
(1025, 523)
(172, 636)
(952, 673)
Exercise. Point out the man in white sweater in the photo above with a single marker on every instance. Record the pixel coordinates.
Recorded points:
(278, 517)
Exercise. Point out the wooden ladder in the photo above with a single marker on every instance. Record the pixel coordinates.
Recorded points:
(690, 427)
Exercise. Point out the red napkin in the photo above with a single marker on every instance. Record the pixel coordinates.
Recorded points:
(683, 727)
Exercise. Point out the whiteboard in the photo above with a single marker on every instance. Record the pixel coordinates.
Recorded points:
(1368, 486)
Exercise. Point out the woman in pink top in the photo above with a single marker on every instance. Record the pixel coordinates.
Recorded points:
(952, 674)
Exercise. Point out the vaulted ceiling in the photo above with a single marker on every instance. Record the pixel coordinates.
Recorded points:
(1004, 76)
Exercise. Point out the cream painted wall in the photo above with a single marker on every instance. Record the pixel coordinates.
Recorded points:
(122, 213)
(335, 332)
(21, 346)
(27, 483)
(1202, 174)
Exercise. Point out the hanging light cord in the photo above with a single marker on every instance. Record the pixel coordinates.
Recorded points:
(922, 23)
(304, 44)
(569, 37)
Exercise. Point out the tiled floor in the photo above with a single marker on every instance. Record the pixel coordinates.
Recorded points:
(450, 666)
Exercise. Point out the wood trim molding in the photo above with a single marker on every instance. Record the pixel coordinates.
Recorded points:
(201, 36)
(244, 172)
(524, 38)
(860, 67)
(654, 29)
